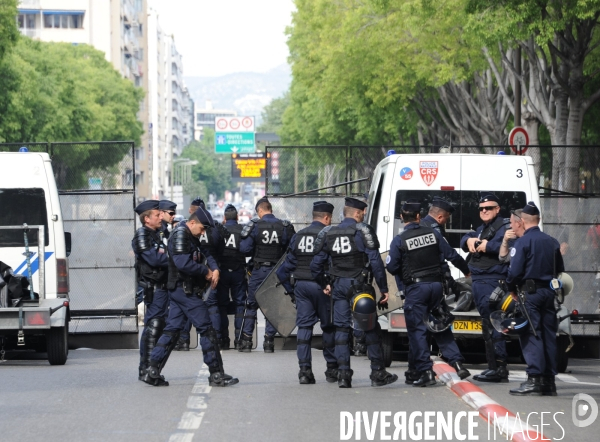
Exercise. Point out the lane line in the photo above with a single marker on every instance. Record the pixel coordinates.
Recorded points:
(197, 403)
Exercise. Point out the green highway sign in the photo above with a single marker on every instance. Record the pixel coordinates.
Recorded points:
(234, 142)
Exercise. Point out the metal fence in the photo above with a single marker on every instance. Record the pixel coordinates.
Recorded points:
(96, 188)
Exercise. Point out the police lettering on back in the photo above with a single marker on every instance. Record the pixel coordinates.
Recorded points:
(421, 241)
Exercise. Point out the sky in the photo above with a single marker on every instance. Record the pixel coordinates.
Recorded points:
(218, 37)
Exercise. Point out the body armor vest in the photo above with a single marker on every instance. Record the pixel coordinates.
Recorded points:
(269, 241)
(420, 254)
(434, 225)
(185, 243)
(305, 251)
(487, 260)
(346, 260)
(146, 239)
(231, 258)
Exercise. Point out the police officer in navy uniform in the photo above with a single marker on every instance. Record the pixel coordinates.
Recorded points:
(195, 204)
(486, 272)
(311, 303)
(417, 256)
(167, 210)
(191, 273)
(233, 277)
(152, 265)
(266, 239)
(535, 260)
(351, 249)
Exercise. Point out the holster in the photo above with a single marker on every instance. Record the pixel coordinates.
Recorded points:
(148, 288)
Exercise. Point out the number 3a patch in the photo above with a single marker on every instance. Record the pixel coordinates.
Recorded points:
(513, 252)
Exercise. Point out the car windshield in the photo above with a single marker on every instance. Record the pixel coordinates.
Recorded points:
(22, 206)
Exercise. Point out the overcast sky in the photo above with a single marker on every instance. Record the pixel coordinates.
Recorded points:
(218, 37)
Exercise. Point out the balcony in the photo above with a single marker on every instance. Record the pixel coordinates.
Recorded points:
(31, 33)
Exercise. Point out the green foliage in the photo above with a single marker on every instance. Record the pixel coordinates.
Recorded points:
(62, 92)
(213, 170)
(8, 26)
(272, 114)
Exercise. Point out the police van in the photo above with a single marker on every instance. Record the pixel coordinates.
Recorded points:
(456, 177)
(34, 245)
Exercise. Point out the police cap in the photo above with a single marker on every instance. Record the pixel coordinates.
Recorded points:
(146, 205)
(167, 205)
(354, 203)
(531, 209)
(204, 217)
(411, 205)
(264, 199)
(487, 197)
(230, 208)
(322, 206)
(442, 204)
(198, 202)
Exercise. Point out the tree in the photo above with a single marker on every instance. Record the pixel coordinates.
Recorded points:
(272, 114)
(8, 26)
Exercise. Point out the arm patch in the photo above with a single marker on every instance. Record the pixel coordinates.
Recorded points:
(321, 239)
(142, 240)
(369, 236)
(248, 227)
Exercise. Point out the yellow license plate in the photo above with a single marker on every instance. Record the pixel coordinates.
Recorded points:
(466, 326)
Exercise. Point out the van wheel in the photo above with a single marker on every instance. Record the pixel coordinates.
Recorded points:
(562, 357)
(57, 345)
(387, 342)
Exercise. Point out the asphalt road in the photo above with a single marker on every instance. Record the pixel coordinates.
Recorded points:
(96, 397)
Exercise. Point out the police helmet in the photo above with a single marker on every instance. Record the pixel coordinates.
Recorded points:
(507, 304)
(567, 283)
(512, 324)
(439, 319)
(364, 308)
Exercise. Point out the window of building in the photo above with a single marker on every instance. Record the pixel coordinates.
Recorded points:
(63, 20)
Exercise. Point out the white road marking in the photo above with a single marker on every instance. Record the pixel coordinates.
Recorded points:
(197, 404)
(573, 380)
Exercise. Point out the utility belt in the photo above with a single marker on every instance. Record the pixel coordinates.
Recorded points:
(148, 289)
(258, 265)
(426, 278)
(532, 285)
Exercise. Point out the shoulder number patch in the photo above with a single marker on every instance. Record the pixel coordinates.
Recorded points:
(421, 241)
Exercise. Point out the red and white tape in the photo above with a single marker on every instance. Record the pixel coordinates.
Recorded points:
(502, 419)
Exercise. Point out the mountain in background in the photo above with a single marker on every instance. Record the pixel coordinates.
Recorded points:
(245, 92)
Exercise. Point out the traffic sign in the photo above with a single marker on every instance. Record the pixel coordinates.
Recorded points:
(234, 124)
(518, 140)
(250, 166)
(234, 142)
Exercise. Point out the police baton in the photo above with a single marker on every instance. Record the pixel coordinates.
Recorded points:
(521, 303)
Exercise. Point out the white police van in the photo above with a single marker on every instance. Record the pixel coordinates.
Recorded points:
(28, 195)
(456, 177)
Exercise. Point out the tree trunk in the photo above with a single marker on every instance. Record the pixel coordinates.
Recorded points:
(532, 125)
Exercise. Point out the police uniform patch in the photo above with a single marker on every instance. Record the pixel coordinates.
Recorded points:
(421, 241)
(513, 252)
(388, 259)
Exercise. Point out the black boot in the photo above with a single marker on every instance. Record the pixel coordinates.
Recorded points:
(461, 371)
(331, 374)
(531, 387)
(154, 378)
(236, 342)
(360, 348)
(427, 378)
(306, 375)
(500, 374)
(548, 386)
(381, 377)
(218, 379)
(141, 372)
(345, 378)
(224, 343)
(411, 375)
(269, 344)
(245, 344)
(182, 345)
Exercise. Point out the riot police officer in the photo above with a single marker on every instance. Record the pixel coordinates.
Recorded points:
(486, 271)
(312, 304)
(151, 264)
(189, 278)
(417, 256)
(535, 261)
(233, 277)
(351, 249)
(167, 210)
(265, 239)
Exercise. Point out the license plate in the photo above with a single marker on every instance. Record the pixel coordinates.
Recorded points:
(466, 326)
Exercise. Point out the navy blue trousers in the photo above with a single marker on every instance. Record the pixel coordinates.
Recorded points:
(313, 306)
(540, 352)
(158, 308)
(421, 298)
(482, 289)
(258, 276)
(231, 283)
(342, 320)
(182, 307)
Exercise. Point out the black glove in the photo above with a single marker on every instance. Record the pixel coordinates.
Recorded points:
(292, 297)
(382, 306)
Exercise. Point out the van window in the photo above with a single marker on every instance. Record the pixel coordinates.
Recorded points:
(374, 203)
(466, 203)
(18, 206)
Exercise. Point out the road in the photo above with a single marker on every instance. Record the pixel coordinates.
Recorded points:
(96, 397)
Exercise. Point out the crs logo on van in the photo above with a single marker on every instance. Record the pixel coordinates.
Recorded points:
(429, 170)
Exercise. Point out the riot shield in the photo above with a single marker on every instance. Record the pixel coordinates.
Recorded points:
(395, 301)
(275, 305)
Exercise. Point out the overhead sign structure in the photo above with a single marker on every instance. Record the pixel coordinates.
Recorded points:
(518, 138)
(234, 135)
(248, 166)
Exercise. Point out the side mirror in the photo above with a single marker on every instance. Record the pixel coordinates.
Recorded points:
(68, 242)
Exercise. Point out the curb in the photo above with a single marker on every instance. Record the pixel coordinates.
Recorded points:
(504, 420)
